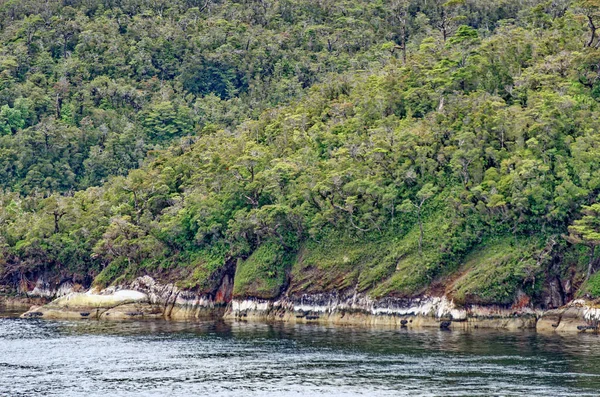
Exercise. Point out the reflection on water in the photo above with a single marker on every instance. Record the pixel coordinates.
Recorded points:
(160, 358)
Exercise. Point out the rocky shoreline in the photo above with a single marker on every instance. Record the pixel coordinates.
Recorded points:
(359, 310)
(143, 298)
(147, 299)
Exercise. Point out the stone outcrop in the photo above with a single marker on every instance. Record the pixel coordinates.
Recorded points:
(45, 289)
(41, 291)
(359, 309)
(145, 298)
(577, 316)
(91, 305)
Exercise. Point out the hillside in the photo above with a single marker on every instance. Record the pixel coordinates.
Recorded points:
(396, 149)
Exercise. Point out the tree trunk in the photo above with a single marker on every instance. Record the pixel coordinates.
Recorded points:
(590, 265)
(404, 44)
(57, 217)
(593, 31)
(420, 233)
(56, 225)
(58, 106)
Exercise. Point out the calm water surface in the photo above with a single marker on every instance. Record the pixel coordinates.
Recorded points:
(160, 358)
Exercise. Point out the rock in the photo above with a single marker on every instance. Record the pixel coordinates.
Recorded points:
(144, 298)
(577, 316)
(46, 289)
(183, 305)
(88, 305)
(33, 314)
(133, 311)
(584, 328)
(359, 309)
(549, 321)
(554, 292)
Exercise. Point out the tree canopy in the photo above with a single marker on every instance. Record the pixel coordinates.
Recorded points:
(184, 138)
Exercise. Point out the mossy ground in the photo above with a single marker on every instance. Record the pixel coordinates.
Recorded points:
(111, 273)
(264, 273)
(204, 270)
(592, 286)
(381, 264)
(385, 263)
(497, 270)
(200, 271)
(491, 272)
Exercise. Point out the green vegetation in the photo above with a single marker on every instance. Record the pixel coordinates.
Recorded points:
(586, 231)
(496, 272)
(264, 273)
(394, 148)
(203, 272)
(592, 286)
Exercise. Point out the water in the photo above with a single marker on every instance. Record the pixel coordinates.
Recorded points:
(160, 358)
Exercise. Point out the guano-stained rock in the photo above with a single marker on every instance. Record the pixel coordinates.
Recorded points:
(147, 298)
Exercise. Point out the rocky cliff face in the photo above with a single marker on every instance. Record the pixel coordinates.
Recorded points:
(19, 297)
(143, 298)
(147, 298)
(358, 309)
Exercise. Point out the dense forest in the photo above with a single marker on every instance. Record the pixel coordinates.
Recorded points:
(390, 147)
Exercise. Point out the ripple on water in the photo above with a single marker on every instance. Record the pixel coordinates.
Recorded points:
(159, 358)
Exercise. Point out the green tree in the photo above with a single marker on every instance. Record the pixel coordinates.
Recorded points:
(591, 10)
(586, 231)
(416, 206)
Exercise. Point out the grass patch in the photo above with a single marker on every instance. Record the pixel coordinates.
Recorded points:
(204, 270)
(497, 270)
(110, 273)
(263, 274)
(333, 263)
(386, 264)
(414, 271)
(412, 274)
(591, 287)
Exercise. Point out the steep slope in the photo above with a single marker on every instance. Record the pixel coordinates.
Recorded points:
(467, 170)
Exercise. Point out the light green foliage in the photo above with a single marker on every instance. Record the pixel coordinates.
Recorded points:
(263, 274)
(163, 121)
(111, 273)
(418, 263)
(205, 270)
(586, 231)
(336, 262)
(497, 270)
(11, 120)
(591, 288)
